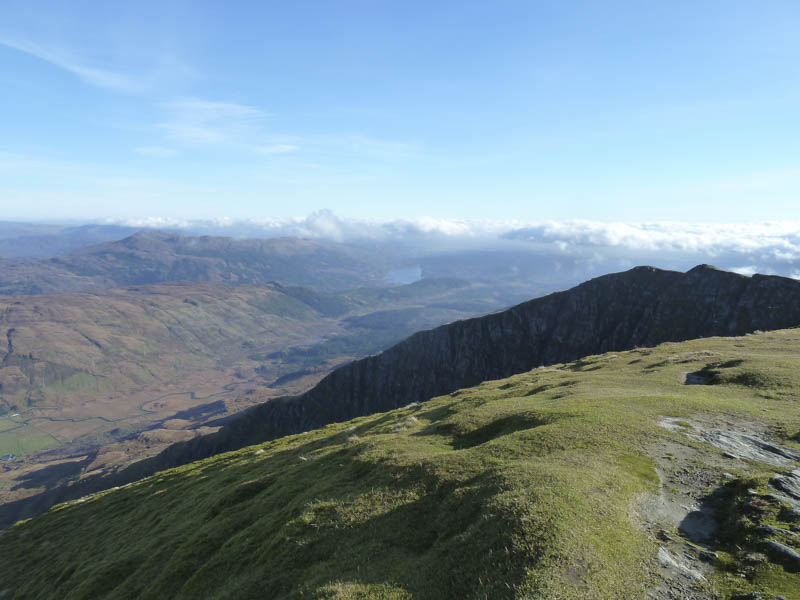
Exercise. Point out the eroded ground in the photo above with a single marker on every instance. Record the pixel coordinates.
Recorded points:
(728, 501)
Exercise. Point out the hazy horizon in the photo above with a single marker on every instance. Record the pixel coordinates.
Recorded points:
(591, 247)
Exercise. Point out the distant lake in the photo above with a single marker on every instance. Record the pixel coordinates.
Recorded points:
(404, 275)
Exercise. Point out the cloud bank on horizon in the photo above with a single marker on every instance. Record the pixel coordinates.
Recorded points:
(747, 248)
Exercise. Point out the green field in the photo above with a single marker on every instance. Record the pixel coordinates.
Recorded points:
(20, 439)
(529, 487)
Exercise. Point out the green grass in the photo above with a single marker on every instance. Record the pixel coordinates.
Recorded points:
(521, 488)
(22, 440)
(80, 382)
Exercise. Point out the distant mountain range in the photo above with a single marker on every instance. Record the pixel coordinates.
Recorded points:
(35, 240)
(156, 257)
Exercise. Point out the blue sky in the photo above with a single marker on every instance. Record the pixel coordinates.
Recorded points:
(618, 111)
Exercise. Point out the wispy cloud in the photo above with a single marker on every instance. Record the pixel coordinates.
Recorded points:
(196, 121)
(277, 149)
(364, 145)
(200, 122)
(156, 151)
(18, 162)
(100, 76)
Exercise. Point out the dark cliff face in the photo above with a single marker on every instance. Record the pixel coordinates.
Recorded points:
(641, 307)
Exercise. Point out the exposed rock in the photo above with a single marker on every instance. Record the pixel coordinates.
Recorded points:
(771, 530)
(738, 445)
(789, 484)
(708, 556)
(792, 505)
(671, 561)
(787, 553)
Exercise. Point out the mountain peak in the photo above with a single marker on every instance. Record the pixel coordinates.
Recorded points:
(705, 268)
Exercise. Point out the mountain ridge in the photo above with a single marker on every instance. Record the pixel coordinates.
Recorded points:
(361, 388)
(149, 257)
(644, 306)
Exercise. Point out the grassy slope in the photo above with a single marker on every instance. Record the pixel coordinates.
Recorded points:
(72, 352)
(524, 488)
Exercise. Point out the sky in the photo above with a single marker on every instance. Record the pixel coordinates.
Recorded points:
(527, 111)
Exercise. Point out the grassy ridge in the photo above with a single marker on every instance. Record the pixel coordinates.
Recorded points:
(520, 488)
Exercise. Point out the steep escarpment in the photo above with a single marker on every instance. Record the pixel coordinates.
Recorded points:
(641, 307)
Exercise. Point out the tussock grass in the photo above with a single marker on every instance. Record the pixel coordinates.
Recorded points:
(520, 488)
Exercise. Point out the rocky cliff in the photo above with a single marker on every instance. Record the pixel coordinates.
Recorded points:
(641, 307)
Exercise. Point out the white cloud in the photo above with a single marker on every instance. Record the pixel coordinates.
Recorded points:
(324, 224)
(359, 144)
(597, 247)
(99, 76)
(278, 149)
(156, 151)
(44, 163)
(759, 243)
(196, 121)
(205, 111)
(748, 270)
(13, 161)
(199, 122)
(774, 241)
(779, 240)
